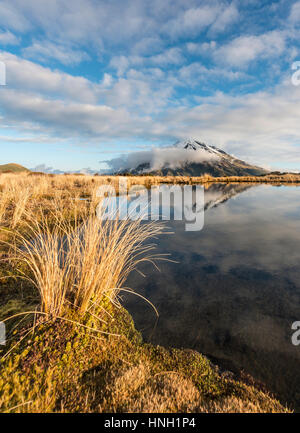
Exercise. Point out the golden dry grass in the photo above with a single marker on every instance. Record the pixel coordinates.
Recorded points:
(26, 192)
(70, 255)
(58, 244)
(80, 264)
(77, 264)
(95, 257)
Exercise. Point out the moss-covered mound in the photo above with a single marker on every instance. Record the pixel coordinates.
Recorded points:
(66, 367)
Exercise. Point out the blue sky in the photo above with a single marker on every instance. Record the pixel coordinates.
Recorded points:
(88, 81)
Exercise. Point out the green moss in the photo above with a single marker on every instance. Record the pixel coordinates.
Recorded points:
(63, 366)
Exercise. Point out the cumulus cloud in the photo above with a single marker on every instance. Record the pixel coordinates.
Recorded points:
(260, 127)
(45, 51)
(148, 45)
(26, 75)
(194, 20)
(11, 17)
(68, 118)
(171, 56)
(194, 73)
(201, 48)
(225, 18)
(157, 158)
(295, 13)
(120, 63)
(86, 21)
(8, 38)
(245, 49)
(153, 74)
(39, 94)
(107, 80)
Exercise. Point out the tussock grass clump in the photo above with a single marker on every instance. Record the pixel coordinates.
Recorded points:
(79, 264)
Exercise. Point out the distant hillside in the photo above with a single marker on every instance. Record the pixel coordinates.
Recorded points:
(14, 168)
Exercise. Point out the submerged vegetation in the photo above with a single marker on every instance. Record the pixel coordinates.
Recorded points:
(71, 346)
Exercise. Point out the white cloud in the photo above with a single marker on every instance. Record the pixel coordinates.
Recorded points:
(145, 90)
(26, 75)
(11, 17)
(195, 73)
(107, 80)
(72, 119)
(140, 93)
(262, 127)
(172, 56)
(158, 158)
(245, 49)
(45, 51)
(148, 46)
(226, 18)
(82, 21)
(8, 38)
(195, 20)
(201, 48)
(141, 100)
(295, 13)
(28, 139)
(144, 25)
(120, 63)
(46, 169)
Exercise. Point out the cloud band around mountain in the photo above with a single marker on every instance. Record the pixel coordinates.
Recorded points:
(157, 158)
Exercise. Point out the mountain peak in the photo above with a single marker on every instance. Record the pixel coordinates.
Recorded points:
(195, 144)
(188, 143)
(191, 157)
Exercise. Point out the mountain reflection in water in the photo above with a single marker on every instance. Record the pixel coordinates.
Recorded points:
(235, 289)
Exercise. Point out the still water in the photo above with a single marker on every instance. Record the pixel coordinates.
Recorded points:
(234, 290)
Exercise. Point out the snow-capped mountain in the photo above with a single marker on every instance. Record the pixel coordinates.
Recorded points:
(192, 144)
(191, 157)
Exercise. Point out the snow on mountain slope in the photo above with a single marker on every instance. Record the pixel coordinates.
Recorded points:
(192, 144)
(191, 157)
